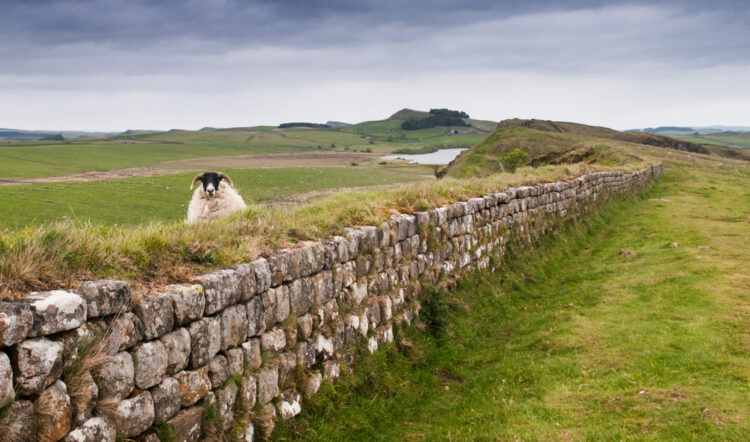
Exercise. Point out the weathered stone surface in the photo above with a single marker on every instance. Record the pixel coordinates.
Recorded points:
(304, 326)
(225, 400)
(313, 384)
(282, 302)
(287, 368)
(194, 385)
(331, 369)
(218, 371)
(205, 340)
(262, 275)
(157, 315)
(278, 264)
(273, 340)
(322, 287)
(17, 422)
(6, 379)
(126, 330)
(133, 416)
(305, 354)
(188, 302)
(300, 296)
(268, 384)
(247, 283)
(84, 400)
(150, 363)
(116, 377)
(105, 297)
(248, 433)
(37, 364)
(236, 360)
(15, 323)
(188, 424)
(255, 316)
(177, 345)
(248, 393)
(251, 349)
(323, 346)
(233, 326)
(96, 429)
(268, 300)
(221, 289)
(55, 311)
(289, 405)
(53, 412)
(167, 400)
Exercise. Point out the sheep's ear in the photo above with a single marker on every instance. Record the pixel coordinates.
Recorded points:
(195, 180)
(224, 176)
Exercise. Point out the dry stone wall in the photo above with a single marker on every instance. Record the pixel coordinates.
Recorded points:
(197, 359)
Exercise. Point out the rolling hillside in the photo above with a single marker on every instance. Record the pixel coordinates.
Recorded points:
(549, 142)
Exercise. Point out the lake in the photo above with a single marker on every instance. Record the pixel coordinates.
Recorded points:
(442, 156)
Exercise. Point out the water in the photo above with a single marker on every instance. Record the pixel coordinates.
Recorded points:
(442, 156)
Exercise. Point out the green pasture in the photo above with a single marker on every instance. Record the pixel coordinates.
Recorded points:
(738, 140)
(602, 332)
(137, 200)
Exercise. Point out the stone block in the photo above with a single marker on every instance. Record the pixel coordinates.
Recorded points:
(167, 400)
(188, 302)
(305, 354)
(150, 361)
(6, 380)
(300, 296)
(322, 287)
(248, 393)
(304, 326)
(236, 360)
(234, 326)
(53, 412)
(106, 297)
(282, 302)
(247, 284)
(156, 314)
(262, 275)
(226, 397)
(18, 423)
(205, 340)
(278, 264)
(177, 345)
(133, 416)
(84, 400)
(331, 369)
(194, 385)
(323, 346)
(116, 377)
(251, 349)
(289, 405)
(221, 289)
(274, 340)
(256, 323)
(188, 424)
(313, 384)
(125, 331)
(268, 384)
(287, 368)
(15, 323)
(37, 364)
(55, 311)
(218, 371)
(96, 429)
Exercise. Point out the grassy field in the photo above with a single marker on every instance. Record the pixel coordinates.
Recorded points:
(165, 198)
(603, 332)
(45, 159)
(739, 140)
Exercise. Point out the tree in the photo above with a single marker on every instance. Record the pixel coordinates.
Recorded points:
(514, 159)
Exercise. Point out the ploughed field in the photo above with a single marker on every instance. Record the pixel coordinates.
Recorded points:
(605, 331)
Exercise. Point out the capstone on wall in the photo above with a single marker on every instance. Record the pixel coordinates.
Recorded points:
(261, 336)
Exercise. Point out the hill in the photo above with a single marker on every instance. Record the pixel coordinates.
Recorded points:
(549, 142)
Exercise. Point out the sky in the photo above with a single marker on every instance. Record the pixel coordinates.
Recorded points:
(112, 65)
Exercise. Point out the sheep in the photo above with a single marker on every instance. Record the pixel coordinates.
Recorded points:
(215, 197)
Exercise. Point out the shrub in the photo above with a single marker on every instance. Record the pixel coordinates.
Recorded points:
(514, 159)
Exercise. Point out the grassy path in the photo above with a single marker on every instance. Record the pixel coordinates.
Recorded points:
(578, 339)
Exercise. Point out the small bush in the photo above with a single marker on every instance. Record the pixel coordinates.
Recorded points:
(514, 159)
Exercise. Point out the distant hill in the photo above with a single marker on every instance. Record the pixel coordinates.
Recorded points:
(39, 135)
(551, 142)
(337, 124)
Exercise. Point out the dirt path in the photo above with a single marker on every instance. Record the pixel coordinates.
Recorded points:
(265, 161)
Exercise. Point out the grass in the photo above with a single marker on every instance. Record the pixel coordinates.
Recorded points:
(165, 198)
(59, 254)
(739, 140)
(578, 338)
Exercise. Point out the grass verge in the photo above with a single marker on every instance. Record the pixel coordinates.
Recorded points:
(602, 332)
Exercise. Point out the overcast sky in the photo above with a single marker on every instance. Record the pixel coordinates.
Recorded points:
(122, 64)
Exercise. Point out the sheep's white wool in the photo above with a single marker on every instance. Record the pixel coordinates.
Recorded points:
(225, 202)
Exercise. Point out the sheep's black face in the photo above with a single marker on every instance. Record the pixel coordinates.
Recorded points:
(211, 182)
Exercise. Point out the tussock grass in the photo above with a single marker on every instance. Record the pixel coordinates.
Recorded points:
(63, 253)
